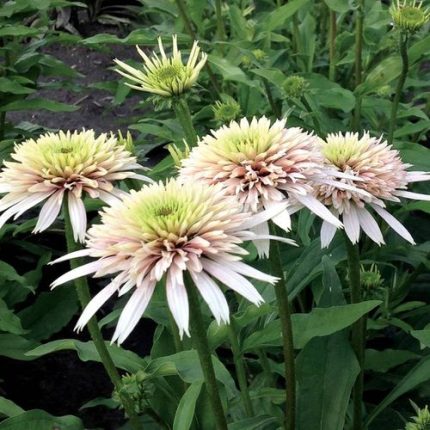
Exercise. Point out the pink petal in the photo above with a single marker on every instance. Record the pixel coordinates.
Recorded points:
(177, 300)
(78, 272)
(78, 217)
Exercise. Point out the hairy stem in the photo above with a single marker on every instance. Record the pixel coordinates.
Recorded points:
(403, 44)
(183, 115)
(198, 334)
(287, 331)
(358, 62)
(240, 369)
(358, 330)
(84, 297)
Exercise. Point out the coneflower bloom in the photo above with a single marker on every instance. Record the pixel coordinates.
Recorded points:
(159, 233)
(380, 175)
(58, 165)
(165, 76)
(262, 165)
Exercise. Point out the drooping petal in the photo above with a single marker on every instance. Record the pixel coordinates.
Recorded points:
(370, 226)
(263, 245)
(264, 215)
(394, 223)
(78, 217)
(177, 300)
(78, 272)
(413, 196)
(49, 212)
(76, 254)
(327, 233)
(133, 311)
(212, 295)
(352, 224)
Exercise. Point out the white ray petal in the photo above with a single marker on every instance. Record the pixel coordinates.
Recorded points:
(49, 212)
(352, 224)
(318, 208)
(133, 311)
(327, 233)
(413, 196)
(233, 280)
(212, 295)
(96, 303)
(78, 272)
(263, 246)
(394, 223)
(370, 226)
(263, 216)
(71, 256)
(282, 220)
(416, 176)
(177, 300)
(78, 217)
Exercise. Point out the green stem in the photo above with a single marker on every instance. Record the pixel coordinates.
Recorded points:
(308, 107)
(358, 62)
(219, 21)
(358, 330)
(2, 124)
(240, 368)
(287, 331)
(198, 335)
(275, 108)
(265, 366)
(332, 46)
(183, 114)
(402, 79)
(84, 297)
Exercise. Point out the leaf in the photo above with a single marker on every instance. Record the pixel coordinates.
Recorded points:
(274, 76)
(256, 423)
(9, 322)
(319, 322)
(229, 71)
(14, 346)
(13, 87)
(140, 36)
(123, 359)
(382, 361)
(321, 403)
(34, 104)
(50, 313)
(416, 376)
(9, 408)
(278, 17)
(340, 6)
(423, 336)
(185, 412)
(40, 420)
(18, 31)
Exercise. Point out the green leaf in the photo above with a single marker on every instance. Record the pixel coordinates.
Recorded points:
(34, 104)
(274, 76)
(278, 17)
(416, 376)
(382, 361)
(185, 413)
(423, 336)
(86, 351)
(50, 313)
(9, 408)
(13, 87)
(40, 420)
(18, 30)
(16, 347)
(321, 403)
(319, 322)
(136, 37)
(9, 322)
(340, 6)
(256, 423)
(229, 71)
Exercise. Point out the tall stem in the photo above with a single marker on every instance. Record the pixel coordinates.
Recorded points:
(287, 331)
(183, 114)
(358, 62)
(240, 368)
(84, 297)
(198, 334)
(358, 330)
(332, 46)
(403, 44)
(219, 21)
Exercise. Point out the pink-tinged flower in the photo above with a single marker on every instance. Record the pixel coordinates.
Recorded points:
(262, 164)
(59, 165)
(159, 233)
(378, 174)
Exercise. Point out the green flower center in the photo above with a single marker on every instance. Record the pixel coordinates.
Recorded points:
(340, 153)
(413, 14)
(169, 72)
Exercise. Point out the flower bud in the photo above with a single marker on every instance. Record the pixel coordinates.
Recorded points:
(295, 86)
(227, 110)
(409, 15)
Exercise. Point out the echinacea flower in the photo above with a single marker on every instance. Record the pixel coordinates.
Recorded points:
(165, 76)
(380, 175)
(58, 165)
(409, 15)
(262, 164)
(159, 233)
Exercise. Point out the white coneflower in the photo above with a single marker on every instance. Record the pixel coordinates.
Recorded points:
(58, 165)
(379, 174)
(262, 164)
(165, 76)
(160, 232)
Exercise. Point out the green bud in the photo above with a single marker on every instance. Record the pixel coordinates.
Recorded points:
(245, 60)
(259, 54)
(226, 111)
(409, 15)
(126, 141)
(178, 154)
(370, 278)
(421, 421)
(295, 86)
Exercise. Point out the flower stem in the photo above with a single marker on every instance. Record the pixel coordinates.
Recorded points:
(198, 334)
(404, 73)
(219, 20)
(287, 331)
(358, 330)
(183, 114)
(332, 46)
(84, 297)
(240, 368)
(358, 62)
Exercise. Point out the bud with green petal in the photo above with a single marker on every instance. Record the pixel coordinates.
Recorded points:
(227, 110)
(178, 154)
(126, 141)
(295, 86)
(409, 15)
(421, 421)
